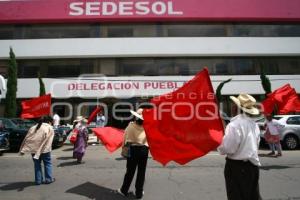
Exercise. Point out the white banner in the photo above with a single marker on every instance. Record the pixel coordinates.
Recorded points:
(137, 86)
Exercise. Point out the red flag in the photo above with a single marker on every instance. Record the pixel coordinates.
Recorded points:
(292, 104)
(285, 98)
(110, 137)
(36, 107)
(268, 105)
(184, 124)
(94, 113)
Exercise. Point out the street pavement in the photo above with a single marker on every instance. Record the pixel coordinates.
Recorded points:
(102, 173)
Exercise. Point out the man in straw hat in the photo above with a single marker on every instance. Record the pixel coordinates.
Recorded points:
(240, 145)
(138, 156)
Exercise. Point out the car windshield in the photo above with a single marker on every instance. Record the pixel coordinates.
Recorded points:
(22, 123)
(277, 118)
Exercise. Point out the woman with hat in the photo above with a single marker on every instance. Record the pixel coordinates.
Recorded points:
(240, 145)
(82, 138)
(136, 137)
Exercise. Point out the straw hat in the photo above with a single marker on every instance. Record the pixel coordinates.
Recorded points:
(138, 113)
(80, 119)
(246, 102)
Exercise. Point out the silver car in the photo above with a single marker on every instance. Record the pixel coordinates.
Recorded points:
(290, 134)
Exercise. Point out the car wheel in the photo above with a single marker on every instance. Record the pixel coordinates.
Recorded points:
(291, 142)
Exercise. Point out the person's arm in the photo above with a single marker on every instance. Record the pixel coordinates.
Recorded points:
(257, 132)
(231, 141)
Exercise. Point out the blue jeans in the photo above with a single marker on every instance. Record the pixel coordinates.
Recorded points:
(46, 158)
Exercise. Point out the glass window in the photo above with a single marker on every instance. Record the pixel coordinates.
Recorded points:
(288, 65)
(157, 66)
(140, 67)
(190, 29)
(243, 66)
(6, 32)
(165, 67)
(8, 124)
(195, 30)
(61, 68)
(293, 120)
(120, 32)
(58, 31)
(28, 69)
(3, 68)
(222, 68)
(289, 30)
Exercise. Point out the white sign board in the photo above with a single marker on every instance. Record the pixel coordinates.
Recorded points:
(137, 86)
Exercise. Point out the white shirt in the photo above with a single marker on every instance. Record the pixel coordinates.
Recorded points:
(274, 126)
(56, 120)
(241, 140)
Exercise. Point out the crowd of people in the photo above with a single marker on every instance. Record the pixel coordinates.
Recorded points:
(240, 145)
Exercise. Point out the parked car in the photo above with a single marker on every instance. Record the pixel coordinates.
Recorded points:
(61, 134)
(26, 123)
(290, 134)
(16, 133)
(18, 130)
(4, 138)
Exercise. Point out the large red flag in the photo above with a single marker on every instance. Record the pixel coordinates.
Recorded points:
(184, 124)
(285, 98)
(36, 107)
(110, 137)
(94, 113)
(291, 104)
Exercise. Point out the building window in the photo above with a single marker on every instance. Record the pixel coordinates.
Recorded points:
(54, 68)
(191, 29)
(58, 31)
(120, 32)
(141, 67)
(6, 32)
(195, 30)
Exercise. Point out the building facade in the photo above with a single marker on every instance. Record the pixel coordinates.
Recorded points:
(108, 51)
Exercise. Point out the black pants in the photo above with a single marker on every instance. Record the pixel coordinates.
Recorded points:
(138, 159)
(241, 180)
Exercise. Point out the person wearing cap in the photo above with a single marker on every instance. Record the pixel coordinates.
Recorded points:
(240, 145)
(82, 139)
(136, 137)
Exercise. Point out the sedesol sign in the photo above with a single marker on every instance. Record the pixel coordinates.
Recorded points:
(78, 11)
(123, 8)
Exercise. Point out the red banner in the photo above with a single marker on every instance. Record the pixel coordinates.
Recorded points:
(285, 98)
(110, 137)
(36, 107)
(184, 124)
(64, 11)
